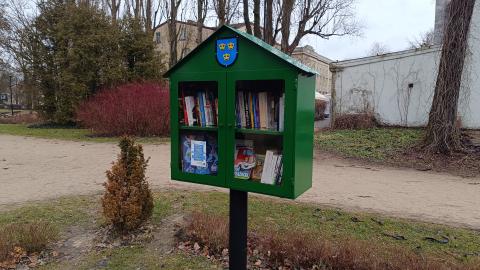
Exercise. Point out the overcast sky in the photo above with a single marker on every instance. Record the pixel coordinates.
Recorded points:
(390, 22)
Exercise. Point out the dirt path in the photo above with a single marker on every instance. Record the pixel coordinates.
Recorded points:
(37, 169)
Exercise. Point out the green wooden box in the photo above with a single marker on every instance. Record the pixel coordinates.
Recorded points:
(212, 99)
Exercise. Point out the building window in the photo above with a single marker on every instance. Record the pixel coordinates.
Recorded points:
(158, 38)
(183, 34)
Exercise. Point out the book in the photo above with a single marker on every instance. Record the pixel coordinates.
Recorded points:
(272, 168)
(205, 161)
(190, 107)
(241, 111)
(258, 169)
(244, 160)
(259, 110)
(198, 153)
(281, 112)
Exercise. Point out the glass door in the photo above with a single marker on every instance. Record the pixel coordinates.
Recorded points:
(198, 127)
(257, 151)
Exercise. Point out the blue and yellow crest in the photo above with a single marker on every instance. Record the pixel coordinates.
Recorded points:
(226, 51)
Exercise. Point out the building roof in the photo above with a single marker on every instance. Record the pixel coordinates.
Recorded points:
(312, 53)
(191, 23)
(385, 57)
(267, 47)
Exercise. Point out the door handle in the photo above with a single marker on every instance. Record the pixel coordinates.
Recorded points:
(230, 125)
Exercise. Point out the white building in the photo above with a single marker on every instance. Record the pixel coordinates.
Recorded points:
(398, 87)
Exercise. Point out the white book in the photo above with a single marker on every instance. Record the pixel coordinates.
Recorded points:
(189, 105)
(241, 111)
(266, 167)
(206, 114)
(281, 112)
(262, 105)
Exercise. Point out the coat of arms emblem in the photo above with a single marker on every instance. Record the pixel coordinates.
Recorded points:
(226, 51)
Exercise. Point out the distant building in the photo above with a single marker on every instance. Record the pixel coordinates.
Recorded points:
(308, 56)
(187, 34)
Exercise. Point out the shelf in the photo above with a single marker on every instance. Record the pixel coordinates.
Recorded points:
(259, 131)
(198, 128)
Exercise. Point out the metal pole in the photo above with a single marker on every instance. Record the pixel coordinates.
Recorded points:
(238, 230)
(11, 95)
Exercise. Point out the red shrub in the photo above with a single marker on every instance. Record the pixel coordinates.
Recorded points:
(140, 109)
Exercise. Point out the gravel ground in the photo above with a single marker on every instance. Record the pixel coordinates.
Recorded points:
(34, 169)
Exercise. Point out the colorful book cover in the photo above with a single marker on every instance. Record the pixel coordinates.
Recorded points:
(211, 154)
(244, 161)
(198, 153)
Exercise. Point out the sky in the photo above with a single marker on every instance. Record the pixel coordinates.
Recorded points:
(390, 22)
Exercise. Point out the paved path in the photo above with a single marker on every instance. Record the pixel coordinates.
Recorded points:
(37, 169)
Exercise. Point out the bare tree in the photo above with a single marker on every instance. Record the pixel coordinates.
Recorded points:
(443, 132)
(202, 9)
(378, 48)
(322, 18)
(114, 8)
(246, 17)
(425, 40)
(226, 10)
(268, 23)
(256, 19)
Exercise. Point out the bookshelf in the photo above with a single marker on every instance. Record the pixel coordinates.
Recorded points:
(246, 126)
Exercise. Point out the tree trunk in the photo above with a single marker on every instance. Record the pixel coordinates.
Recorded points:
(148, 16)
(221, 12)
(246, 17)
(268, 28)
(287, 9)
(172, 33)
(443, 133)
(199, 21)
(256, 19)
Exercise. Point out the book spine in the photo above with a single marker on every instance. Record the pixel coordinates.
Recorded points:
(185, 115)
(201, 109)
(190, 105)
(250, 108)
(281, 113)
(257, 110)
(266, 167)
(247, 110)
(241, 108)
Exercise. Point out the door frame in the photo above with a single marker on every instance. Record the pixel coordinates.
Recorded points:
(176, 172)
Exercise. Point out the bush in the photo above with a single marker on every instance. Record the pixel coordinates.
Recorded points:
(320, 106)
(303, 249)
(28, 237)
(127, 201)
(20, 118)
(355, 121)
(140, 109)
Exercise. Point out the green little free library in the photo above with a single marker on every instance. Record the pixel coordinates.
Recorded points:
(242, 115)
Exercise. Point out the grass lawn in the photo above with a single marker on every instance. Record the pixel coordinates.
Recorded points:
(374, 144)
(71, 134)
(264, 214)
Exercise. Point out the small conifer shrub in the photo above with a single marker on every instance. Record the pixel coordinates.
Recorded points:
(127, 201)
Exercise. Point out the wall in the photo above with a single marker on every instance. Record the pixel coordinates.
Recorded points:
(397, 87)
(469, 108)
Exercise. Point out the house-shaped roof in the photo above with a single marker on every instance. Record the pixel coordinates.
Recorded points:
(253, 40)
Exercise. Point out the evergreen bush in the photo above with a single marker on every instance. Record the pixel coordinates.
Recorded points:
(127, 202)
